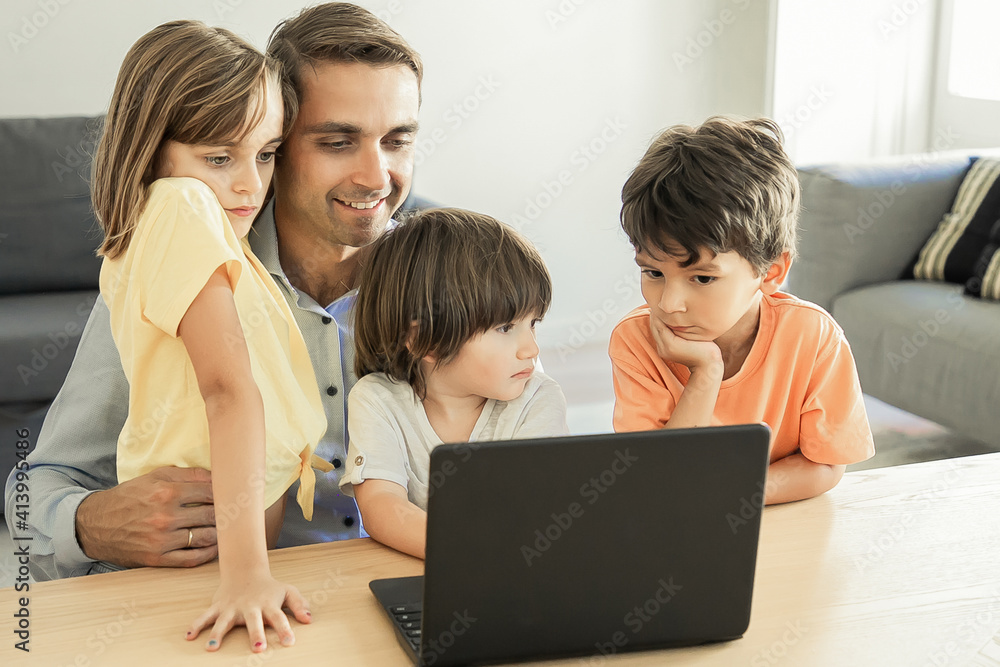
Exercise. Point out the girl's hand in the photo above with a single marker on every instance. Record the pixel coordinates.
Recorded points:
(695, 354)
(252, 601)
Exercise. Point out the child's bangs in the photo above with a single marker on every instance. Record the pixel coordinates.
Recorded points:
(229, 113)
(517, 287)
(659, 224)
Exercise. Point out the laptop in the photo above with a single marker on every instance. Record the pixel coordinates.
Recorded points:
(584, 546)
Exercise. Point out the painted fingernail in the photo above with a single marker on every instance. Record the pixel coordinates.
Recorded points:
(258, 644)
(212, 642)
(287, 641)
(309, 614)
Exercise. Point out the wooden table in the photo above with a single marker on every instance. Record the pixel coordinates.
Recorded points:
(896, 566)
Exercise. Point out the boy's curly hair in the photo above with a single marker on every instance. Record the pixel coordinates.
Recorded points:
(724, 186)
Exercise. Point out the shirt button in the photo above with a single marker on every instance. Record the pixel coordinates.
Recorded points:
(337, 463)
(348, 521)
(358, 460)
(331, 390)
(327, 320)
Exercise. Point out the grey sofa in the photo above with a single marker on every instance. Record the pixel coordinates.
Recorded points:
(921, 346)
(48, 269)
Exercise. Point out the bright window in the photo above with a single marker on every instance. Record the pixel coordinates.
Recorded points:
(974, 61)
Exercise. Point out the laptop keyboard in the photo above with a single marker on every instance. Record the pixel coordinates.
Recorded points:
(407, 620)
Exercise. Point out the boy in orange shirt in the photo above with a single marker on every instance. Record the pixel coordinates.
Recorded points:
(711, 212)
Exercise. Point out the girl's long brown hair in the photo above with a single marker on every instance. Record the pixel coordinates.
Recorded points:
(182, 81)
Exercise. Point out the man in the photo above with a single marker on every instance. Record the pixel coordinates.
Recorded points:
(351, 93)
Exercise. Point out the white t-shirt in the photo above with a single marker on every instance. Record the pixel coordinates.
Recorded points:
(391, 438)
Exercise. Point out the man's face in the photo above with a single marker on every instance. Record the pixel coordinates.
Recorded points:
(347, 162)
(703, 301)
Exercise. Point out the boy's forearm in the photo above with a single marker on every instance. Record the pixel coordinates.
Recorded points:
(395, 522)
(796, 478)
(697, 403)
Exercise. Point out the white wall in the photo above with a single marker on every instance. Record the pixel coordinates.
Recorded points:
(854, 78)
(534, 111)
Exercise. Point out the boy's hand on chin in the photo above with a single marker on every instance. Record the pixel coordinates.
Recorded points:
(695, 354)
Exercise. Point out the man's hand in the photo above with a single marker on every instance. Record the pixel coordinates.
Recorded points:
(695, 354)
(146, 521)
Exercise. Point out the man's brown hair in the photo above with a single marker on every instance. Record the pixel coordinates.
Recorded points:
(182, 81)
(437, 280)
(724, 186)
(335, 32)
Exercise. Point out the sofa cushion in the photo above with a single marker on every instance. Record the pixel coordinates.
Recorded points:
(864, 223)
(954, 251)
(38, 341)
(49, 233)
(928, 349)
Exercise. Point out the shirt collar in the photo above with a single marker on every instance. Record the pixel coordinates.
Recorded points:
(263, 240)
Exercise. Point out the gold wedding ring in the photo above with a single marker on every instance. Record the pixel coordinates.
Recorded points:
(190, 538)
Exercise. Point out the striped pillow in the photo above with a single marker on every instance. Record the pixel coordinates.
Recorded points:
(986, 281)
(963, 249)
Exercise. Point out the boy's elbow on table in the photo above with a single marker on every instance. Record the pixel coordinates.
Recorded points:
(797, 477)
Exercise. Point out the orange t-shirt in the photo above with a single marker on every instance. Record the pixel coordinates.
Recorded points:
(799, 378)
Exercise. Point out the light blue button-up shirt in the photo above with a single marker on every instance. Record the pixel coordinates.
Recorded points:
(328, 335)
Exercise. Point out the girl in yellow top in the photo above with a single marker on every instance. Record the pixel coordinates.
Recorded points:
(218, 372)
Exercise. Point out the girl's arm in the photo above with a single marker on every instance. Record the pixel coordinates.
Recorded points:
(247, 594)
(390, 517)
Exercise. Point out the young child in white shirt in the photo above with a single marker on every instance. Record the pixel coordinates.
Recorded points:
(445, 351)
